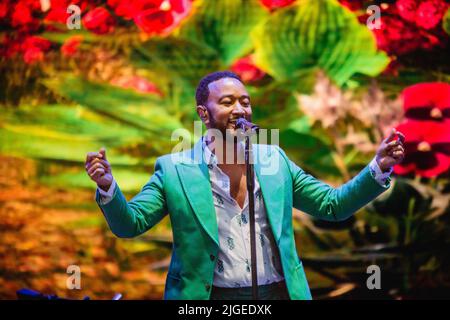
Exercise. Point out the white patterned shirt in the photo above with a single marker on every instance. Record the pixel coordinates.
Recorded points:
(233, 267)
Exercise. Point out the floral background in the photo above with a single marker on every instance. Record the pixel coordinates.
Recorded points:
(126, 79)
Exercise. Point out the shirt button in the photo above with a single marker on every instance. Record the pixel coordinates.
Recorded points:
(207, 287)
(212, 257)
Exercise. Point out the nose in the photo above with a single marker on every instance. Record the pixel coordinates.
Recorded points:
(238, 109)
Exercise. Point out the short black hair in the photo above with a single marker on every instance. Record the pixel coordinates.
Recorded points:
(202, 92)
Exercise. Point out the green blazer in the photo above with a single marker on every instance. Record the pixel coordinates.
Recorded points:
(181, 188)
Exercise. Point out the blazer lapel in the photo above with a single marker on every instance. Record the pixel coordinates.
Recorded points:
(194, 177)
(272, 188)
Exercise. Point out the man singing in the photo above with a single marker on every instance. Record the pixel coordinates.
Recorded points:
(207, 201)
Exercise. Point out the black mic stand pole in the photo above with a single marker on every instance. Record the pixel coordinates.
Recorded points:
(251, 208)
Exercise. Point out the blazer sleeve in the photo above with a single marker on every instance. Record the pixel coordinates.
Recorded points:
(322, 201)
(147, 208)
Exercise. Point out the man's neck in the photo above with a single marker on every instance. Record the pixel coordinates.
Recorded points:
(226, 152)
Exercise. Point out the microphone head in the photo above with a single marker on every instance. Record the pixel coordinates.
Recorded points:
(245, 125)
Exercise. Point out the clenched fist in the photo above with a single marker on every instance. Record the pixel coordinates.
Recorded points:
(99, 169)
(391, 151)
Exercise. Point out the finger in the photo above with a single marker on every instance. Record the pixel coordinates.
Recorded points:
(401, 136)
(98, 160)
(97, 173)
(392, 144)
(90, 156)
(95, 167)
(398, 154)
(103, 152)
(397, 148)
(391, 135)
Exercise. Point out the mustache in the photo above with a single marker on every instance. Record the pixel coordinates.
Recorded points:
(248, 118)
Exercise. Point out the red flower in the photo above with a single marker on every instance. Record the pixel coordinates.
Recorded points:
(99, 21)
(10, 46)
(247, 70)
(427, 148)
(396, 37)
(58, 10)
(407, 9)
(126, 9)
(36, 42)
(275, 4)
(136, 83)
(161, 16)
(33, 55)
(4, 8)
(427, 101)
(430, 13)
(70, 46)
(353, 5)
(22, 17)
(34, 48)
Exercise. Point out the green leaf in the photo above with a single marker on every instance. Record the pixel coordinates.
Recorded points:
(64, 133)
(181, 64)
(446, 21)
(142, 111)
(225, 25)
(316, 33)
(61, 37)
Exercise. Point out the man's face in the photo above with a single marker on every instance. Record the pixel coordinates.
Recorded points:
(228, 100)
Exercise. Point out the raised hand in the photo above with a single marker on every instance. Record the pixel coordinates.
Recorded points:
(391, 151)
(99, 169)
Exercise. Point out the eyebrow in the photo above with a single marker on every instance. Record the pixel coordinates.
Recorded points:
(232, 96)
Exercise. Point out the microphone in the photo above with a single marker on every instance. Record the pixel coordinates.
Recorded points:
(245, 125)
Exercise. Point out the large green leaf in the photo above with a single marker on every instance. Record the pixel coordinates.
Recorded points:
(142, 111)
(316, 33)
(67, 133)
(225, 25)
(181, 60)
(177, 65)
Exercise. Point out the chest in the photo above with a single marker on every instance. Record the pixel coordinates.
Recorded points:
(238, 183)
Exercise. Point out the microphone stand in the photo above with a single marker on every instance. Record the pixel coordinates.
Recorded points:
(251, 208)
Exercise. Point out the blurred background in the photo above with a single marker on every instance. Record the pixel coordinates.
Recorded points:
(124, 77)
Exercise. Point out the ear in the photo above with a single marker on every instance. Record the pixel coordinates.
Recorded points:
(203, 114)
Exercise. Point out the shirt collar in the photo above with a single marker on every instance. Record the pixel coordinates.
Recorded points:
(210, 158)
